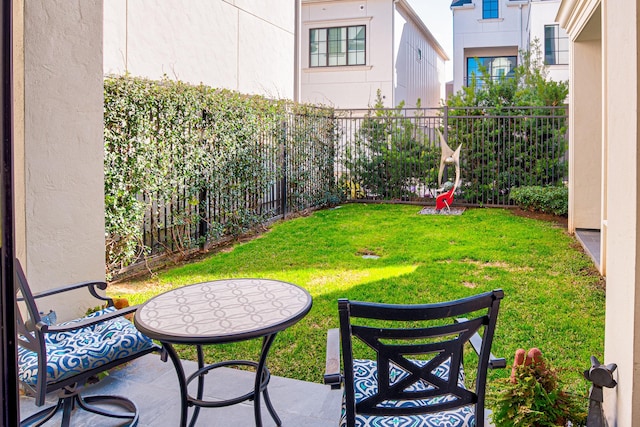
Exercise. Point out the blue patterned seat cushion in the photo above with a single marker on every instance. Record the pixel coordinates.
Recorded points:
(80, 350)
(366, 385)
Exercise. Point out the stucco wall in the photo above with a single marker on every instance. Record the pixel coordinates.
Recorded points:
(241, 45)
(63, 196)
(585, 141)
(620, 25)
(615, 27)
(544, 13)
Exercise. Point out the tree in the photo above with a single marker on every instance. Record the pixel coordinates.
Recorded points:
(391, 155)
(523, 130)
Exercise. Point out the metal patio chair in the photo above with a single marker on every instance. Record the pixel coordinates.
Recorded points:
(409, 365)
(62, 357)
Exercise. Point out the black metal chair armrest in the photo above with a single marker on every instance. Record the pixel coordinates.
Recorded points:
(476, 343)
(332, 375)
(91, 286)
(87, 321)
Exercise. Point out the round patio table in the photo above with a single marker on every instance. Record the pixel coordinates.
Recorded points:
(223, 311)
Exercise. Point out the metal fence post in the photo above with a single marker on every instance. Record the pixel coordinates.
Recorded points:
(203, 217)
(601, 376)
(283, 185)
(445, 122)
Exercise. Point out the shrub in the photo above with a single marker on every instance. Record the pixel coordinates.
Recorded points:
(534, 397)
(553, 200)
(390, 155)
(521, 139)
(184, 163)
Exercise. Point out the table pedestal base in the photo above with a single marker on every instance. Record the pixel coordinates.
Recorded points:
(260, 384)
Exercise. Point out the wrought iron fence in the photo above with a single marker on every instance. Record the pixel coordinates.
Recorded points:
(394, 154)
(285, 167)
(307, 160)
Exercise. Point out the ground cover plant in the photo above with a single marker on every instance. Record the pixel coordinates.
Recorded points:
(554, 299)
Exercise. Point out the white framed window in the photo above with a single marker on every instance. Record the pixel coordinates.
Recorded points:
(337, 46)
(556, 45)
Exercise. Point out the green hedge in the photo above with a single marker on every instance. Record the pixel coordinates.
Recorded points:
(185, 164)
(553, 200)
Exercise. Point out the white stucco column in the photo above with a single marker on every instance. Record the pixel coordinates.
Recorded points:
(585, 139)
(62, 202)
(621, 141)
(614, 26)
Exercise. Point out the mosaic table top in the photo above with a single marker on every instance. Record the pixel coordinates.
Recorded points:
(223, 311)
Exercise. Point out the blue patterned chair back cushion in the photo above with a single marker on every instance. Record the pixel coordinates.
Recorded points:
(365, 382)
(71, 353)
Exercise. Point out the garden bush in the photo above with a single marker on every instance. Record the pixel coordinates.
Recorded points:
(390, 155)
(186, 164)
(553, 200)
(534, 396)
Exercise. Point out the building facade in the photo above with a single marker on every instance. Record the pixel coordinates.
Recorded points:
(352, 49)
(243, 45)
(491, 34)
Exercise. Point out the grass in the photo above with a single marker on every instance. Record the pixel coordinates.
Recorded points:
(554, 299)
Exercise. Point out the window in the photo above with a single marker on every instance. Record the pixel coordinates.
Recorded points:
(333, 47)
(556, 45)
(489, 9)
(490, 67)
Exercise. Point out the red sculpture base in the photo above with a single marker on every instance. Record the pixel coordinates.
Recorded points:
(445, 200)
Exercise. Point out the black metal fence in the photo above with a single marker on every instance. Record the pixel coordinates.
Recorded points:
(309, 160)
(284, 167)
(393, 154)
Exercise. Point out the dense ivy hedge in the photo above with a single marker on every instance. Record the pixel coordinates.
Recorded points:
(185, 164)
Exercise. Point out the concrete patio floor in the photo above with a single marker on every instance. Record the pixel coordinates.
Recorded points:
(153, 386)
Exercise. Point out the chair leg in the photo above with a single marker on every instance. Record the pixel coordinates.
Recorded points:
(89, 404)
(101, 405)
(68, 405)
(43, 416)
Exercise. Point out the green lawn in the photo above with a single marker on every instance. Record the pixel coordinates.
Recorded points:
(554, 298)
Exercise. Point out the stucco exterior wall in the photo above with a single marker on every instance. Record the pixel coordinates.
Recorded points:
(621, 141)
(614, 26)
(585, 140)
(241, 45)
(62, 165)
(471, 32)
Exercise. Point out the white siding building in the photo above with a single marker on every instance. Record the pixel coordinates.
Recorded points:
(352, 49)
(491, 33)
(244, 45)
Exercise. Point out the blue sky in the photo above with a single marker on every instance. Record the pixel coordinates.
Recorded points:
(437, 16)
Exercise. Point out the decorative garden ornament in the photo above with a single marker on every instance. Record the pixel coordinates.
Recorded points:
(448, 158)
